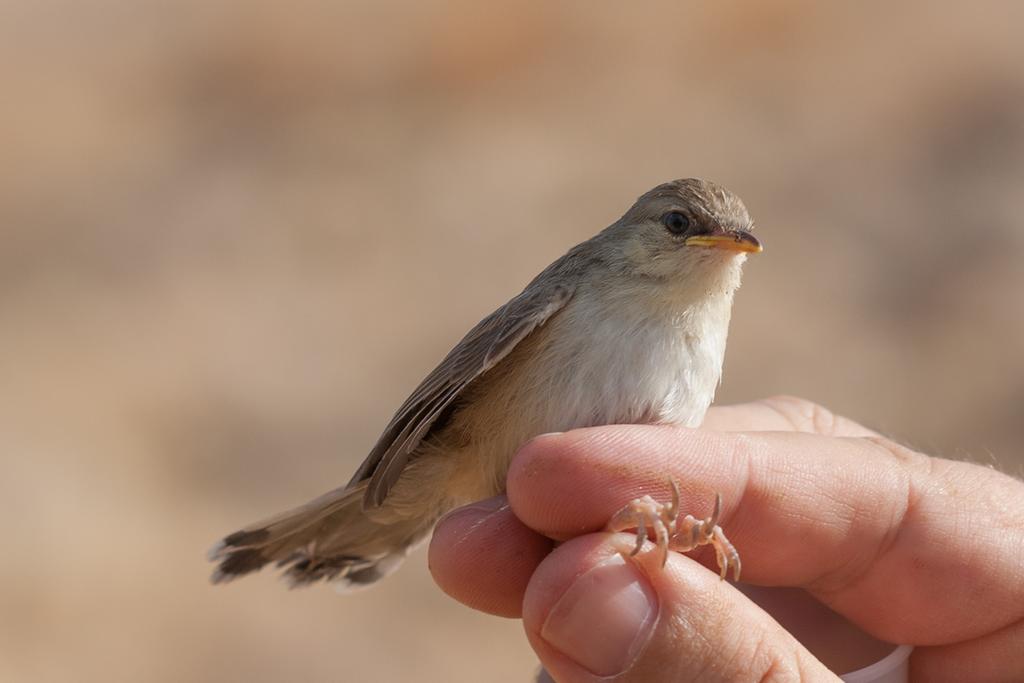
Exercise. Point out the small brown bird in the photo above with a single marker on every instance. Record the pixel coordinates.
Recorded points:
(627, 327)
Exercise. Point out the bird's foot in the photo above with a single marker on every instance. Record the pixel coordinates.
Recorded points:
(672, 533)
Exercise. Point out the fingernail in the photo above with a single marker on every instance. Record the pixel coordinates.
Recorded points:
(481, 507)
(604, 619)
(488, 504)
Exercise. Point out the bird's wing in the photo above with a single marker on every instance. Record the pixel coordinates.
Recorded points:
(479, 351)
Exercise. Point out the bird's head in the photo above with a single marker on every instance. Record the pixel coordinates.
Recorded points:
(688, 228)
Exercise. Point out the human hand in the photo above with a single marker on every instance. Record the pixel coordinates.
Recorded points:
(912, 549)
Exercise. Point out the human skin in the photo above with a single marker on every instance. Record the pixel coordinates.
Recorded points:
(910, 548)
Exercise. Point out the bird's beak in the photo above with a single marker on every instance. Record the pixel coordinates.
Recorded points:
(731, 240)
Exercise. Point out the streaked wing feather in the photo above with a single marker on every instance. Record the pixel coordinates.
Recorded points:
(514, 330)
(479, 351)
(397, 455)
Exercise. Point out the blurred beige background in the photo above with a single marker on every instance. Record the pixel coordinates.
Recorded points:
(236, 234)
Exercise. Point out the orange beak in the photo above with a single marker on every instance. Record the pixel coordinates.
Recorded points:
(733, 240)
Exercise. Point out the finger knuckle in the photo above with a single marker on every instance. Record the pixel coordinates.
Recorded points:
(903, 455)
(803, 415)
(776, 667)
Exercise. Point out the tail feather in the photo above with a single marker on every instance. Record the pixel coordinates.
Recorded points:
(329, 539)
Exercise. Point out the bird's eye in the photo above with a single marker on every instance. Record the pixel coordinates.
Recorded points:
(676, 222)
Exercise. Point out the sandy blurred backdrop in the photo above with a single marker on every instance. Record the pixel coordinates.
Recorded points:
(236, 234)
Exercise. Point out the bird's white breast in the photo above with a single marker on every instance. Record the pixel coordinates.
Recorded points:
(623, 355)
(637, 361)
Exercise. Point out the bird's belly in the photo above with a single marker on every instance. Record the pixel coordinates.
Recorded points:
(654, 373)
(629, 387)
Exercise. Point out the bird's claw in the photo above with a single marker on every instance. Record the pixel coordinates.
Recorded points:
(672, 533)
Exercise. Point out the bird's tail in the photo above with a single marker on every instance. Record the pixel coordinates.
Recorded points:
(329, 538)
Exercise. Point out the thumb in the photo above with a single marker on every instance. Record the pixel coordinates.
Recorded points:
(592, 614)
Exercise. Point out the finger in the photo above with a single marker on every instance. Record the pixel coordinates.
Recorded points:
(782, 414)
(903, 545)
(996, 657)
(483, 556)
(591, 614)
